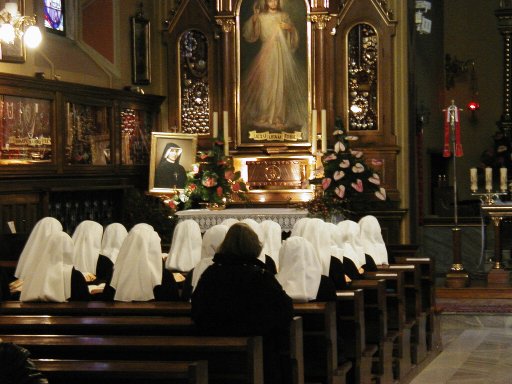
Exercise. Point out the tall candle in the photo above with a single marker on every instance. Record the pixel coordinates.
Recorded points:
(226, 133)
(314, 133)
(503, 179)
(324, 130)
(488, 179)
(474, 179)
(215, 125)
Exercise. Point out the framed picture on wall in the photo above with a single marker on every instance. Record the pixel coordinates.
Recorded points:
(13, 53)
(273, 73)
(141, 54)
(54, 16)
(172, 156)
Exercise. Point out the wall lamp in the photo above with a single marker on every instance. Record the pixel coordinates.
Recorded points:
(15, 25)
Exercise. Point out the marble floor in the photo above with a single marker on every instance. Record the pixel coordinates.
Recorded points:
(477, 349)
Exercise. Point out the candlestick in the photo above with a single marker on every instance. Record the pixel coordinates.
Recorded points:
(488, 179)
(473, 178)
(215, 125)
(313, 131)
(503, 179)
(226, 133)
(324, 130)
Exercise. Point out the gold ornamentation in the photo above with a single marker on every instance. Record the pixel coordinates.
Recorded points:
(320, 21)
(227, 24)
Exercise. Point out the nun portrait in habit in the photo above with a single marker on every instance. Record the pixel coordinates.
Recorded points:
(169, 173)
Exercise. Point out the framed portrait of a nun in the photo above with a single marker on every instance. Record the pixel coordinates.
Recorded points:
(172, 157)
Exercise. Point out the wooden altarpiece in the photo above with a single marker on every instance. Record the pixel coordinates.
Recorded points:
(346, 49)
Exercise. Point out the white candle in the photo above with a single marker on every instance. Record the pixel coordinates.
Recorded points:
(488, 179)
(503, 179)
(36, 107)
(324, 130)
(473, 178)
(215, 124)
(226, 133)
(314, 133)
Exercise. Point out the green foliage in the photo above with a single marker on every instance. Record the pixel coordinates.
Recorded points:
(346, 180)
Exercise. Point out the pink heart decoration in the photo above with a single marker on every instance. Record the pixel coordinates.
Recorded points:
(381, 194)
(357, 154)
(339, 147)
(340, 191)
(332, 156)
(352, 138)
(325, 183)
(358, 168)
(358, 186)
(375, 179)
(345, 164)
(338, 175)
(376, 162)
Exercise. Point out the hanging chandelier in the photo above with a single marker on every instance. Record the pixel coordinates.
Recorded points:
(15, 25)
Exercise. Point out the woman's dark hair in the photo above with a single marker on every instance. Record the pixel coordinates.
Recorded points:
(241, 242)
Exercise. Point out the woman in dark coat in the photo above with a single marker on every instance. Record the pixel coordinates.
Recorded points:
(236, 295)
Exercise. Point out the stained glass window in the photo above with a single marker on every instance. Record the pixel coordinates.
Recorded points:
(54, 15)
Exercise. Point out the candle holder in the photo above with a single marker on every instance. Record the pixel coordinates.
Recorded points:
(489, 198)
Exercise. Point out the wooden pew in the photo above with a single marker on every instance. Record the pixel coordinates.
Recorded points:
(376, 327)
(321, 361)
(230, 359)
(351, 323)
(133, 325)
(415, 314)
(428, 297)
(399, 328)
(59, 371)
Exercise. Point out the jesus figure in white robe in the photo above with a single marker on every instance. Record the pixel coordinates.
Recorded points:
(274, 93)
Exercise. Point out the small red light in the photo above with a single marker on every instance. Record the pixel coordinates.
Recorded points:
(473, 106)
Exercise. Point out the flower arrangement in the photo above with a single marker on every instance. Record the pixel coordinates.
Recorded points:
(213, 181)
(346, 179)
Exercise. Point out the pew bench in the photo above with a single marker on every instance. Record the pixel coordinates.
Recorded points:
(321, 359)
(351, 322)
(230, 359)
(376, 327)
(59, 371)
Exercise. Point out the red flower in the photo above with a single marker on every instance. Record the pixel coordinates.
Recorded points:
(172, 204)
(203, 156)
(235, 187)
(192, 187)
(219, 191)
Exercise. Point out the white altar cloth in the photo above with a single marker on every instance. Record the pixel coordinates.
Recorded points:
(285, 217)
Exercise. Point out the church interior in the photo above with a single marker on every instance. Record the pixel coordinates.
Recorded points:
(126, 109)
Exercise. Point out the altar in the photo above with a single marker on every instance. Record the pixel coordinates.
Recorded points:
(285, 217)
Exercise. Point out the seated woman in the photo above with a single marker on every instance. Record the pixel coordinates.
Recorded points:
(319, 235)
(236, 295)
(212, 239)
(87, 239)
(139, 274)
(263, 257)
(372, 241)
(54, 278)
(32, 250)
(16, 366)
(300, 272)
(355, 260)
(111, 242)
(185, 250)
(272, 235)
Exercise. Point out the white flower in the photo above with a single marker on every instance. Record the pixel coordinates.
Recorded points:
(339, 147)
(338, 175)
(358, 168)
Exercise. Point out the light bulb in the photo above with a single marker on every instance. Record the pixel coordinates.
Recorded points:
(32, 36)
(356, 109)
(7, 33)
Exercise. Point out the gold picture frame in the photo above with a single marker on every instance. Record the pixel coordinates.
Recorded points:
(172, 156)
(273, 113)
